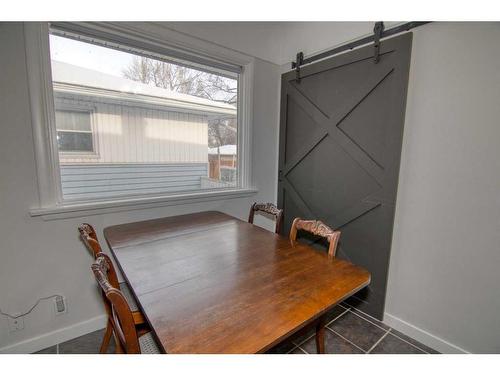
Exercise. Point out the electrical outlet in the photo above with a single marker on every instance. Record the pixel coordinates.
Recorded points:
(16, 324)
(60, 305)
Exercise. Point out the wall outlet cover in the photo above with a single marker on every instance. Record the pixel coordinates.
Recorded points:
(60, 306)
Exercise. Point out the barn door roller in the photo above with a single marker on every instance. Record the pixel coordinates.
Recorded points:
(299, 60)
(377, 31)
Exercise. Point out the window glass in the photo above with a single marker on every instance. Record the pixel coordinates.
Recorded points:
(156, 127)
(74, 141)
(73, 120)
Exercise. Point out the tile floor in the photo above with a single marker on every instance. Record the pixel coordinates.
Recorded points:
(349, 331)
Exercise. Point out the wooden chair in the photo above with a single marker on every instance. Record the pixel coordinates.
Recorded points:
(129, 339)
(89, 237)
(270, 209)
(317, 228)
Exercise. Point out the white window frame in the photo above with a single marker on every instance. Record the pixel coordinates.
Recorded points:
(91, 110)
(51, 204)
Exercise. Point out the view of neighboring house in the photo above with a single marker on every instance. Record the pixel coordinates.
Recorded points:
(121, 137)
(223, 162)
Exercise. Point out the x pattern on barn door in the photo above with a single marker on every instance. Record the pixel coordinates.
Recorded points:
(341, 132)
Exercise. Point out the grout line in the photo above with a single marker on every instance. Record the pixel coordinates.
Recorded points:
(306, 339)
(334, 319)
(338, 316)
(302, 350)
(346, 339)
(378, 341)
(375, 324)
(409, 343)
(359, 313)
(296, 347)
(362, 315)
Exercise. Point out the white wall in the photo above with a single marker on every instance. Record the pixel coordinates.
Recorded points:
(277, 42)
(444, 273)
(39, 258)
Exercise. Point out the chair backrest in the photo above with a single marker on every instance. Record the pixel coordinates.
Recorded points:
(88, 236)
(270, 209)
(123, 320)
(317, 228)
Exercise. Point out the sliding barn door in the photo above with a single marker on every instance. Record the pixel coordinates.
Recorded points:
(340, 145)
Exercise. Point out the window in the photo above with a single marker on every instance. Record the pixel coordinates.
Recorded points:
(81, 77)
(158, 124)
(74, 131)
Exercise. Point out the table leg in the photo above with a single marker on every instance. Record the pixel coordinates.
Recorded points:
(320, 336)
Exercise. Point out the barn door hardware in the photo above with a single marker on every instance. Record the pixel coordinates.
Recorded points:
(301, 61)
(377, 31)
(296, 65)
(280, 175)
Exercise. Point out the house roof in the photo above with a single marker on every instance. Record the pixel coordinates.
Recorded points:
(224, 150)
(77, 80)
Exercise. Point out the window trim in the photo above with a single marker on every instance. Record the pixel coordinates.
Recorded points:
(91, 110)
(43, 117)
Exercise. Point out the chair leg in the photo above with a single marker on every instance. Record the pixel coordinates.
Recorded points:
(320, 337)
(118, 345)
(106, 338)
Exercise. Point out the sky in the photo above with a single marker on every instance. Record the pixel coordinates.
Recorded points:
(101, 59)
(90, 56)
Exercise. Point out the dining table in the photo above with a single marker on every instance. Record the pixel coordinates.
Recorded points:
(208, 282)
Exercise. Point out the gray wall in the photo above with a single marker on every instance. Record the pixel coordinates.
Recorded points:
(444, 277)
(39, 258)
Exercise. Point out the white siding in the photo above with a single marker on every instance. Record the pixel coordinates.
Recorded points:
(133, 134)
(94, 181)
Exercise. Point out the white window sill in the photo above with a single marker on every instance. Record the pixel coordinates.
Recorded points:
(71, 210)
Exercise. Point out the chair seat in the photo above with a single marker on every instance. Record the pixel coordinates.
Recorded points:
(129, 297)
(148, 344)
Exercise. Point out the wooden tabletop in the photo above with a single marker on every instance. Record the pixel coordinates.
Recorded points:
(210, 283)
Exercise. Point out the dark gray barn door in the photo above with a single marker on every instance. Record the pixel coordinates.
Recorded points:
(340, 146)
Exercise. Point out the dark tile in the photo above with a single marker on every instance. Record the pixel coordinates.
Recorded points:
(357, 330)
(371, 319)
(303, 334)
(334, 313)
(111, 347)
(310, 330)
(86, 344)
(392, 345)
(49, 350)
(354, 308)
(414, 342)
(334, 344)
(297, 351)
(282, 348)
(345, 305)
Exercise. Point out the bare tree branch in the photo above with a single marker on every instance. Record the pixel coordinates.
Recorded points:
(192, 82)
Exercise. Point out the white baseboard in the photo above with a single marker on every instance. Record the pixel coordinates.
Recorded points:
(422, 336)
(56, 337)
(64, 334)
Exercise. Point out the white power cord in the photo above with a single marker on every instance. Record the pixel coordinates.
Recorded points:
(32, 307)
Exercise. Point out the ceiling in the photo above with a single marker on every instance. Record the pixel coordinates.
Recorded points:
(276, 42)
